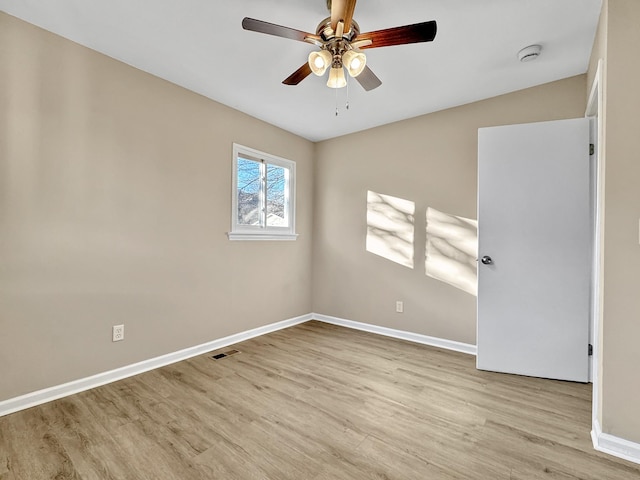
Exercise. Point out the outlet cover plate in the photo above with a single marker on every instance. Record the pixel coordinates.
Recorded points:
(117, 333)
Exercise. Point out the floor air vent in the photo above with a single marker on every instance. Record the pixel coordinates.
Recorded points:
(228, 353)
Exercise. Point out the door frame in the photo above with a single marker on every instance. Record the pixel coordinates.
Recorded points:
(595, 105)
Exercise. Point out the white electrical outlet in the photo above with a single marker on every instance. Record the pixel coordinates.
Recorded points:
(118, 332)
(399, 306)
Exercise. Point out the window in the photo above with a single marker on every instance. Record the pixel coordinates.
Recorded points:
(263, 204)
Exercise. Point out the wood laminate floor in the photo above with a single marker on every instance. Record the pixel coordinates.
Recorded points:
(313, 402)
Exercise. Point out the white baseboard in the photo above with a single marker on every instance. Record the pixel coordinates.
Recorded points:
(76, 386)
(53, 393)
(612, 445)
(400, 334)
(602, 442)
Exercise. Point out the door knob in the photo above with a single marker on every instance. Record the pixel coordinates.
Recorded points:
(486, 260)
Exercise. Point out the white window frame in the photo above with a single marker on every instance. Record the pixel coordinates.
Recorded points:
(257, 232)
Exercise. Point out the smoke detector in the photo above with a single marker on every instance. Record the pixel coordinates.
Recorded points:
(529, 53)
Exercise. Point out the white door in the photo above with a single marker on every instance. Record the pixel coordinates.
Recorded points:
(534, 249)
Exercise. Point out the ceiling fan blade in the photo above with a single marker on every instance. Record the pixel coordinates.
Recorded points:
(277, 30)
(368, 79)
(342, 10)
(296, 77)
(416, 33)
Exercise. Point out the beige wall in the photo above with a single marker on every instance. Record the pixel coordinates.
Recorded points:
(115, 200)
(114, 207)
(621, 305)
(432, 161)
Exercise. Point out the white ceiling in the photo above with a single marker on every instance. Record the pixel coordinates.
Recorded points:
(200, 45)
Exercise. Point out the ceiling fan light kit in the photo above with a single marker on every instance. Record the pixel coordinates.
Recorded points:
(354, 62)
(319, 62)
(340, 57)
(336, 78)
(340, 41)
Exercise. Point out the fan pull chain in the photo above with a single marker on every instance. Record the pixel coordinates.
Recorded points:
(347, 104)
(336, 101)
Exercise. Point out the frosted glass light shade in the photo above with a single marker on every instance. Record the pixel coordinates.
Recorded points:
(319, 61)
(354, 62)
(336, 78)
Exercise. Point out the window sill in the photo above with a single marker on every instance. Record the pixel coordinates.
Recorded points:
(262, 236)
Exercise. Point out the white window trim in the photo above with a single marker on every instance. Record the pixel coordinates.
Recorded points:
(245, 232)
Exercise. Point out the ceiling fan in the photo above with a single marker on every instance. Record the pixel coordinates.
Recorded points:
(341, 44)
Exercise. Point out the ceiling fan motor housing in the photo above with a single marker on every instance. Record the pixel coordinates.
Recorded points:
(327, 33)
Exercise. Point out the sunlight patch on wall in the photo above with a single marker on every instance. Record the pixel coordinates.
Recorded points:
(390, 227)
(452, 249)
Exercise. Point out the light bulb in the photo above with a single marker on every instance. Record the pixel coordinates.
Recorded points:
(354, 62)
(319, 61)
(336, 78)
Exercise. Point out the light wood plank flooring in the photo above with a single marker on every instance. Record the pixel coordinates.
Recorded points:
(313, 402)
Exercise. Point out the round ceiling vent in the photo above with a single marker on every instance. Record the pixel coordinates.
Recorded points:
(529, 53)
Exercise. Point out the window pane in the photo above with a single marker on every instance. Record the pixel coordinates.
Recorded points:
(277, 185)
(248, 192)
(263, 197)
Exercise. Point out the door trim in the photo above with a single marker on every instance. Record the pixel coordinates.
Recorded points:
(594, 110)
